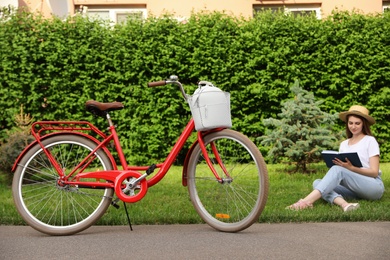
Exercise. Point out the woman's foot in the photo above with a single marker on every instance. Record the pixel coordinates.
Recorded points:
(301, 204)
(351, 206)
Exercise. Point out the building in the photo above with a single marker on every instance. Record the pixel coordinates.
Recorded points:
(117, 10)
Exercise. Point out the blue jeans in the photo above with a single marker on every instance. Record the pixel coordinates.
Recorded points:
(340, 182)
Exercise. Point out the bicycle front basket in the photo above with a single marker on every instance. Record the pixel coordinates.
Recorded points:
(210, 107)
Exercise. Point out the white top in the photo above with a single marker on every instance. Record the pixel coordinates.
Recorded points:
(365, 148)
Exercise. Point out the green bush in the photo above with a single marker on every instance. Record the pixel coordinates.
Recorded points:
(302, 131)
(18, 137)
(10, 150)
(53, 66)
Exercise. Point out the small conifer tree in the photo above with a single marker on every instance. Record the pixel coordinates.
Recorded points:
(302, 131)
(18, 138)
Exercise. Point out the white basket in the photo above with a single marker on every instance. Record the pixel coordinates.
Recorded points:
(210, 107)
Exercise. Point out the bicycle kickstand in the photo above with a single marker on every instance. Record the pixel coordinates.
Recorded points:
(128, 217)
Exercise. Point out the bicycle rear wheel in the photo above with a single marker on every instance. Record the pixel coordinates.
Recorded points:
(237, 202)
(52, 208)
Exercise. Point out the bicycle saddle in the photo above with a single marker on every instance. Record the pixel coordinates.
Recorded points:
(101, 109)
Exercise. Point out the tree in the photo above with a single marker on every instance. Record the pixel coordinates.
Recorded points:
(302, 131)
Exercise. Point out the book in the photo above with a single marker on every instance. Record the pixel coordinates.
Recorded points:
(329, 156)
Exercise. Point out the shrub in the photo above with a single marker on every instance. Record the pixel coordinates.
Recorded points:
(302, 131)
(18, 138)
(10, 150)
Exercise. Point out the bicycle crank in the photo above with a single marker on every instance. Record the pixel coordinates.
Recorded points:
(129, 188)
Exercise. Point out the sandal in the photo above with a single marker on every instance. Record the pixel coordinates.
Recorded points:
(301, 204)
(351, 206)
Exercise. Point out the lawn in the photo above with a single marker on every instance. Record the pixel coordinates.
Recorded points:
(168, 202)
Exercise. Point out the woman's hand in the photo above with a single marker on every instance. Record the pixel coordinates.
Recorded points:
(371, 172)
(347, 164)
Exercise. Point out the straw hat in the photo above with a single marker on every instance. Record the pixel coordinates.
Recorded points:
(358, 111)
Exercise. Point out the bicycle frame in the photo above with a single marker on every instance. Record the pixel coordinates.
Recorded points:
(127, 179)
(115, 177)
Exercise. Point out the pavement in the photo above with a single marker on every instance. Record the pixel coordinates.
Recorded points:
(341, 240)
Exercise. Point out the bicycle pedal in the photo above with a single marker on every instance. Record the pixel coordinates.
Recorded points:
(151, 169)
(114, 203)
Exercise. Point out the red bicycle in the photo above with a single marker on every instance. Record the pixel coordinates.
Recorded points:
(66, 179)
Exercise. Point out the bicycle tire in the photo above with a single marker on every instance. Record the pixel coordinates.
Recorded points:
(229, 206)
(49, 207)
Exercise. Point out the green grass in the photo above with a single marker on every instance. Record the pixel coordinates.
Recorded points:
(168, 202)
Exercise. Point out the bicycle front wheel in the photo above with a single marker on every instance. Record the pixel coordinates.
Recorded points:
(59, 209)
(236, 202)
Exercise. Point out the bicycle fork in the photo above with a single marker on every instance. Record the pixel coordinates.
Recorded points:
(215, 151)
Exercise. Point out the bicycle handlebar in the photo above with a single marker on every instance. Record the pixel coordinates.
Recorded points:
(157, 83)
(173, 79)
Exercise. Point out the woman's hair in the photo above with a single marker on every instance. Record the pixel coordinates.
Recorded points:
(366, 126)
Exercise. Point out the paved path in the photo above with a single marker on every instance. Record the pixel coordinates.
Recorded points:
(347, 240)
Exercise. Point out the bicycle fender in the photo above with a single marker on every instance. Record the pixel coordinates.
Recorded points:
(25, 150)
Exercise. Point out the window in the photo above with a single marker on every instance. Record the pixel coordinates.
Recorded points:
(295, 10)
(386, 6)
(59, 8)
(7, 7)
(114, 15)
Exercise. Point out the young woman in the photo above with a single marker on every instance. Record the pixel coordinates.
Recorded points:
(343, 180)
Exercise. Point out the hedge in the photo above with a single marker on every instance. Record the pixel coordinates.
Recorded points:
(52, 66)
